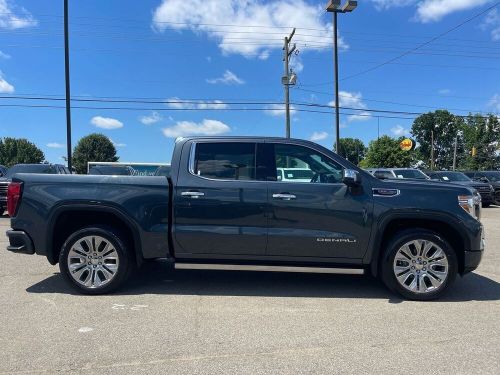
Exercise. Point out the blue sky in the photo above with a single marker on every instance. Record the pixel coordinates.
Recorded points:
(222, 52)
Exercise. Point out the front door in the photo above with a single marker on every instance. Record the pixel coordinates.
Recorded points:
(318, 215)
(220, 204)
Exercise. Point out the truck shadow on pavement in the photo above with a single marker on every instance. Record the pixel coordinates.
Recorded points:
(160, 278)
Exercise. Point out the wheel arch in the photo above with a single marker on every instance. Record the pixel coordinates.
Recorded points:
(444, 225)
(62, 223)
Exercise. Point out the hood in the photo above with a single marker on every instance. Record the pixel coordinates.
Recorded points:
(423, 185)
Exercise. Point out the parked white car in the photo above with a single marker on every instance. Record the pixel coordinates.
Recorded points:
(294, 174)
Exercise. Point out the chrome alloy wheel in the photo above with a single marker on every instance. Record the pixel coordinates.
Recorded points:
(421, 266)
(93, 261)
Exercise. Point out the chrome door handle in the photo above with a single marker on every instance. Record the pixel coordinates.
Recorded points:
(192, 194)
(284, 196)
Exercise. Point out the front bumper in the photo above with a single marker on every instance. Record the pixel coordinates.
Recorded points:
(472, 260)
(20, 242)
(486, 197)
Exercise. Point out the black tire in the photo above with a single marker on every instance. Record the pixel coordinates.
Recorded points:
(401, 238)
(125, 263)
(486, 205)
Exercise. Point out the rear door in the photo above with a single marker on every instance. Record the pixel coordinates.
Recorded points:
(221, 201)
(322, 218)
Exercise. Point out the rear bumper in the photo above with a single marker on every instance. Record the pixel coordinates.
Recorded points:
(20, 242)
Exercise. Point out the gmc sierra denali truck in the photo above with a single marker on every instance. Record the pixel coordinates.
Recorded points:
(223, 207)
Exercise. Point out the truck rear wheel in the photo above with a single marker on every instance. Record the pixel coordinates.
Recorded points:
(419, 265)
(95, 260)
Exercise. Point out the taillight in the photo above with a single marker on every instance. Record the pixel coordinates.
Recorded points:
(13, 197)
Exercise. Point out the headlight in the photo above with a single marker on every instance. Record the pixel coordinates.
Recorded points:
(471, 204)
(492, 188)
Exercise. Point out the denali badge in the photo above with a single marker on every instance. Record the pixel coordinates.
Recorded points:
(345, 240)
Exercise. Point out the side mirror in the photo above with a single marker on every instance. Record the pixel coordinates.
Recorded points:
(351, 177)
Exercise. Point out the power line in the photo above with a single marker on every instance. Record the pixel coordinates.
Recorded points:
(213, 105)
(192, 109)
(422, 44)
(391, 102)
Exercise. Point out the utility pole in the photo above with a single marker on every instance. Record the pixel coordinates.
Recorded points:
(68, 92)
(287, 80)
(455, 153)
(432, 150)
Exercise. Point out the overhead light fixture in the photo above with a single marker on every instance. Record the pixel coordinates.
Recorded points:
(333, 5)
(349, 6)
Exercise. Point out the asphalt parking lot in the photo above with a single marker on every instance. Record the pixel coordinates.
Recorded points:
(190, 322)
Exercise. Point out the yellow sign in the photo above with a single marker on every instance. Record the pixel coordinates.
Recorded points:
(407, 144)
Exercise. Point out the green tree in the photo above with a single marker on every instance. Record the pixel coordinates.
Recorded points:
(19, 150)
(352, 149)
(93, 147)
(386, 153)
(482, 134)
(445, 127)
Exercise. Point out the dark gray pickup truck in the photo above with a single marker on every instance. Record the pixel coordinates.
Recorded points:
(223, 207)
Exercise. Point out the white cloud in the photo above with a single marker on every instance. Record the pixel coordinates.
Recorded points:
(264, 55)
(279, 110)
(495, 102)
(444, 91)
(14, 17)
(492, 23)
(5, 87)
(399, 131)
(431, 10)
(387, 4)
(353, 100)
(106, 122)
(228, 78)
(435, 10)
(206, 16)
(4, 55)
(55, 145)
(318, 136)
(117, 144)
(151, 119)
(186, 128)
(177, 103)
(296, 64)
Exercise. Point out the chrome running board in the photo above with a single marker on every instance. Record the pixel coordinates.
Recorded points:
(244, 267)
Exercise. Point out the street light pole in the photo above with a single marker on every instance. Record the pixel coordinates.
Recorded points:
(334, 7)
(336, 60)
(68, 92)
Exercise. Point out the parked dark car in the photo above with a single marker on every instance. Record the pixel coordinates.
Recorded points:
(163, 170)
(223, 207)
(485, 190)
(111, 170)
(489, 177)
(3, 170)
(404, 173)
(26, 168)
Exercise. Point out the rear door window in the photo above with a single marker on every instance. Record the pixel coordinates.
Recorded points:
(225, 160)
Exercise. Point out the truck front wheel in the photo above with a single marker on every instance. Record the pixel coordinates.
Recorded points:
(95, 260)
(419, 264)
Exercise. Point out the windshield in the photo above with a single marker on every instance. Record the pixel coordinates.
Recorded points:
(410, 173)
(31, 168)
(452, 176)
(493, 176)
